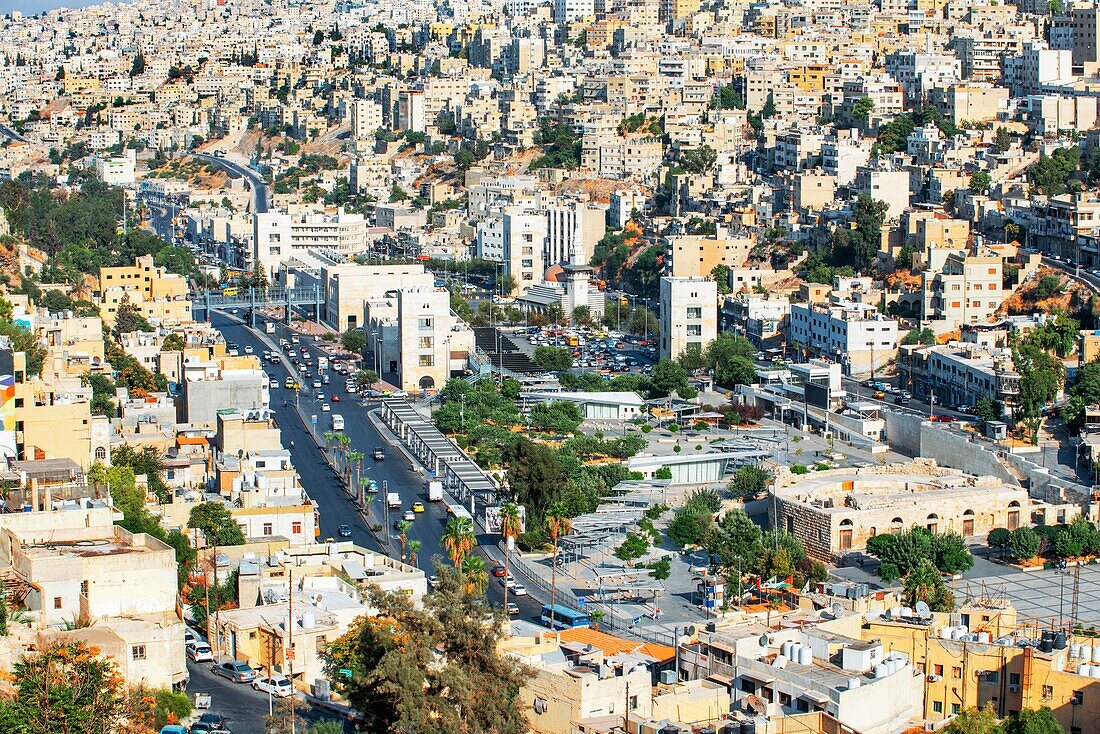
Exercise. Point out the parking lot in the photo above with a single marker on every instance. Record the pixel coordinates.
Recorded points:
(607, 352)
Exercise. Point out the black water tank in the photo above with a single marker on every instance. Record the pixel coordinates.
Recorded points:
(748, 727)
(731, 727)
(1060, 640)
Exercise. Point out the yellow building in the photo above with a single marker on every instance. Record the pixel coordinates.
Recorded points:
(156, 293)
(990, 666)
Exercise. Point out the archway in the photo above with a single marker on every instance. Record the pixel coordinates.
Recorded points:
(427, 383)
(845, 535)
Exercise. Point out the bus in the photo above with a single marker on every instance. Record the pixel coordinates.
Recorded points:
(564, 617)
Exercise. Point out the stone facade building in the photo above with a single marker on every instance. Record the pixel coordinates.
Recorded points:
(836, 512)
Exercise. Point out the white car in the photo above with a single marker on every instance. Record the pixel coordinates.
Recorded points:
(278, 685)
(410, 516)
(274, 384)
(200, 652)
(325, 408)
(518, 590)
(248, 350)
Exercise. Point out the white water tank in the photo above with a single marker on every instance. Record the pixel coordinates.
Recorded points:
(907, 611)
(805, 656)
(985, 637)
(945, 633)
(1083, 669)
(1094, 671)
(309, 620)
(780, 661)
(1096, 655)
(1086, 653)
(1074, 651)
(880, 671)
(785, 650)
(853, 683)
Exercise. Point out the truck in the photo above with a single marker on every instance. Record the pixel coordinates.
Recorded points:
(269, 327)
(434, 488)
(322, 363)
(337, 422)
(393, 501)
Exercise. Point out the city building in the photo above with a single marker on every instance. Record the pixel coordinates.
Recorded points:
(689, 315)
(159, 296)
(855, 334)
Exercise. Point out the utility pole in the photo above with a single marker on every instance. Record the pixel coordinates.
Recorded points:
(290, 647)
(626, 708)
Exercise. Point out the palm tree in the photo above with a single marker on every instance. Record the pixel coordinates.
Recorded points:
(560, 524)
(329, 435)
(354, 457)
(458, 539)
(475, 576)
(595, 616)
(414, 551)
(510, 529)
(403, 529)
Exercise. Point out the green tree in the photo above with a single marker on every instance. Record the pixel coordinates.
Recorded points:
(216, 523)
(1033, 721)
(769, 107)
(974, 721)
(729, 98)
(862, 108)
(353, 340)
(430, 669)
(980, 181)
(999, 538)
(552, 359)
(138, 65)
(925, 583)
(1051, 174)
(64, 687)
(365, 379)
(989, 409)
(634, 547)
(699, 160)
(129, 319)
(1025, 543)
(669, 377)
(736, 541)
(749, 481)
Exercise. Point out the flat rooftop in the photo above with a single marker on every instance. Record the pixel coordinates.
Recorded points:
(91, 548)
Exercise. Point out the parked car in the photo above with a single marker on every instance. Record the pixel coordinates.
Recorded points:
(433, 581)
(345, 531)
(235, 671)
(276, 685)
(199, 652)
(173, 729)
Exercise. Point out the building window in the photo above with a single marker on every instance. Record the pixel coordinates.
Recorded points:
(1014, 679)
(957, 673)
(100, 453)
(137, 652)
(1078, 698)
(426, 342)
(937, 707)
(427, 360)
(937, 670)
(992, 676)
(695, 313)
(57, 602)
(296, 528)
(268, 528)
(955, 708)
(426, 324)
(1048, 693)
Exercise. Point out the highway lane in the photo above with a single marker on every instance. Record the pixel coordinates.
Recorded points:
(321, 483)
(10, 133)
(255, 180)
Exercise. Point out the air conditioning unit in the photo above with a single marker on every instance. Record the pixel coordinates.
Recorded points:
(1015, 688)
(933, 678)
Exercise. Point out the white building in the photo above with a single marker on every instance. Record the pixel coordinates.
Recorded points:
(117, 170)
(689, 314)
(854, 333)
(567, 11)
(280, 236)
(515, 237)
(366, 118)
(570, 224)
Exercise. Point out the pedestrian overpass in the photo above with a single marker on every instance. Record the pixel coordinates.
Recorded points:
(256, 298)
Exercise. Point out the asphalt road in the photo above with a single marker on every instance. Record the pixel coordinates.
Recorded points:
(245, 708)
(255, 180)
(321, 483)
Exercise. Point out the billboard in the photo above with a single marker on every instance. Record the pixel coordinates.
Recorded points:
(492, 519)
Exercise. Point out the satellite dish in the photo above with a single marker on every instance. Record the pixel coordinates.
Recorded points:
(765, 641)
(691, 631)
(923, 611)
(837, 610)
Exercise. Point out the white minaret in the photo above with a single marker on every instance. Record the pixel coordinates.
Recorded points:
(576, 273)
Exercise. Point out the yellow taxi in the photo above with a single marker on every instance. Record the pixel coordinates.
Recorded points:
(418, 506)
(290, 384)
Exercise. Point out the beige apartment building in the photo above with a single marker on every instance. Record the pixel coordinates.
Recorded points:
(159, 295)
(348, 288)
(695, 256)
(968, 289)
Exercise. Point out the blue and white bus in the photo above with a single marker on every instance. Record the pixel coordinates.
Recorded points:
(564, 617)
